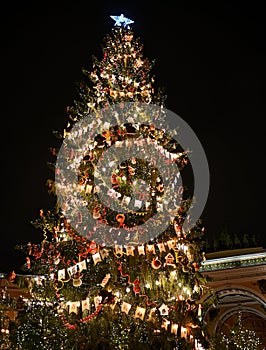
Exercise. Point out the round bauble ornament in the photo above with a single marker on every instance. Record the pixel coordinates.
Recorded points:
(77, 282)
(156, 263)
(185, 268)
(92, 248)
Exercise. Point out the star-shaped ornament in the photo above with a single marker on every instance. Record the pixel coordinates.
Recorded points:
(121, 20)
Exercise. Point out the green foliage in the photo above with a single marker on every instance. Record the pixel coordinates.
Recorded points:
(40, 327)
(226, 240)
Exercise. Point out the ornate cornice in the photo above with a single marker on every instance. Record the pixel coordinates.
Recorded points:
(234, 261)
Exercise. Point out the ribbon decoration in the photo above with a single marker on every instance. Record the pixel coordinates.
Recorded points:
(136, 283)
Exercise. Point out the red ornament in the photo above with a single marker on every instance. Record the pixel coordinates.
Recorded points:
(196, 266)
(120, 218)
(114, 179)
(28, 262)
(92, 248)
(11, 276)
(96, 213)
(131, 170)
(136, 286)
(156, 264)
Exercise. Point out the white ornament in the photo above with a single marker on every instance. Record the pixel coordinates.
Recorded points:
(121, 20)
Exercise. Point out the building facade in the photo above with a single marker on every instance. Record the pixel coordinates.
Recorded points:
(239, 281)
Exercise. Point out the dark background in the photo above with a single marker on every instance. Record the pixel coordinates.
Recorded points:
(209, 57)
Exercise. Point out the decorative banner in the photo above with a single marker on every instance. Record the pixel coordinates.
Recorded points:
(125, 307)
(72, 270)
(174, 328)
(152, 314)
(97, 301)
(140, 312)
(151, 248)
(82, 265)
(171, 244)
(73, 306)
(161, 247)
(183, 332)
(165, 324)
(104, 253)
(118, 249)
(61, 274)
(141, 250)
(85, 304)
(130, 250)
(96, 258)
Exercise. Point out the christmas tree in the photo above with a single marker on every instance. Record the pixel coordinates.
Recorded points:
(237, 336)
(117, 268)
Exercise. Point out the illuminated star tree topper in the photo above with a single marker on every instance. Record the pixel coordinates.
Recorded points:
(121, 20)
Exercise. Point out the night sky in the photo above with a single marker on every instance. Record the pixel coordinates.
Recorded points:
(209, 58)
